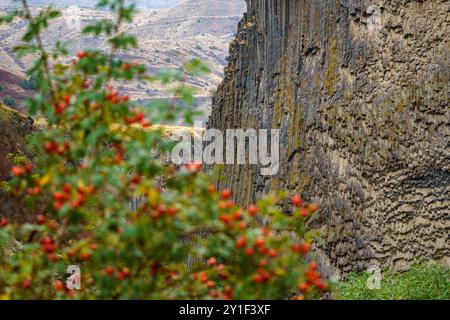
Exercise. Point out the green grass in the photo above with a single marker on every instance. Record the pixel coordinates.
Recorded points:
(420, 282)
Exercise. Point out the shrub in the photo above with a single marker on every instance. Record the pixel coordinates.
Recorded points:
(30, 84)
(183, 239)
(420, 282)
(10, 101)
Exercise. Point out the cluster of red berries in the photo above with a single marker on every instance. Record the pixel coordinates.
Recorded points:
(53, 147)
(139, 118)
(62, 197)
(302, 248)
(160, 210)
(114, 97)
(60, 106)
(49, 247)
(259, 245)
(3, 222)
(304, 210)
(120, 274)
(19, 171)
(313, 279)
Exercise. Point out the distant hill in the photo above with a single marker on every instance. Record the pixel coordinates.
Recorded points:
(167, 37)
(148, 4)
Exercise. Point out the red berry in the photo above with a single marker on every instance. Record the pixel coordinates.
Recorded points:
(253, 210)
(260, 241)
(126, 272)
(212, 261)
(193, 166)
(81, 54)
(84, 256)
(241, 242)
(249, 251)
(313, 266)
(17, 171)
(225, 218)
(136, 179)
(203, 277)
(26, 283)
(52, 257)
(226, 194)
(263, 263)
(139, 117)
(146, 123)
(257, 278)
(109, 270)
(297, 201)
(3, 222)
(28, 167)
(34, 191)
(304, 212)
(59, 285)
(303, 287)
(67, 188)
(211, 284)
(272, 253)
(41, 219)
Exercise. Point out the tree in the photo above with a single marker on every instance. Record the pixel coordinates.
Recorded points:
(186, 240)
(29, 84)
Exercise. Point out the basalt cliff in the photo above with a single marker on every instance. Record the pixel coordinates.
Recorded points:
(360, 92)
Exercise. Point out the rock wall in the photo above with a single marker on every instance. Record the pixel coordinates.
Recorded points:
(360, 92)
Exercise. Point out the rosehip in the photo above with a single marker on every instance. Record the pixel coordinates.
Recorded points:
(28, 167)
(249, 251)
(303, 287)
(304, 212)
(3, 222)
(260, 241)
(26, 283)
(59, 285)
(41, 219)
(84, 256)
(17, 171)
(109, 270)
(67, 188)
(226, 194)
(172, 211)
(241, 242)
(297, 201)
(272, 253)
(253, 210)
(212, 261)
(81, 54)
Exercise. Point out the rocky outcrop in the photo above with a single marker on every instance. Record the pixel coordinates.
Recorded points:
(360, 92)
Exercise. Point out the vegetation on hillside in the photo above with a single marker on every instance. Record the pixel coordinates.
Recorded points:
(10, 101)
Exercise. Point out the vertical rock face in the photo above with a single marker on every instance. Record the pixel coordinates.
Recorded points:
(360, 92)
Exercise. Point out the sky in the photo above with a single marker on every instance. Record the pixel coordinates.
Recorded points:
(91, 3)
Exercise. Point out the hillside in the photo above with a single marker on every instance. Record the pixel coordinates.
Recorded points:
(167, 38)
